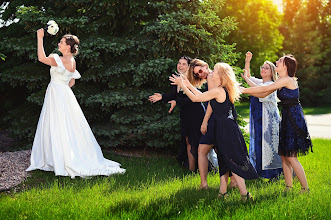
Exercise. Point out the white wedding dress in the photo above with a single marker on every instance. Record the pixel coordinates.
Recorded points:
(64, 142)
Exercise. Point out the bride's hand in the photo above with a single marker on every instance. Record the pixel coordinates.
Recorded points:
(40, 33)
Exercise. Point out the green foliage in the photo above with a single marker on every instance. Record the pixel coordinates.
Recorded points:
(128, 49)
(256, 31)
(307, 32)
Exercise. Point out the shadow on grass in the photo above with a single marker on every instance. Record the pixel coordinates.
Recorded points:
(187, 202)
(139, 171)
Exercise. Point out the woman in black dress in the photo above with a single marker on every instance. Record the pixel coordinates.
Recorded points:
(230, 144)
(191, 116)
(200, 69)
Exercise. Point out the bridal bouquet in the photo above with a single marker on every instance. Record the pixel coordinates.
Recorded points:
(52, 27)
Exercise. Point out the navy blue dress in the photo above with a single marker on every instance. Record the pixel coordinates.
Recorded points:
(230, 144)
(294, 139)
(191, 117)
(209, 137)
(255, 150)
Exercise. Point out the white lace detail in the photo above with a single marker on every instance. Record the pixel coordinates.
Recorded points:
(270, 132)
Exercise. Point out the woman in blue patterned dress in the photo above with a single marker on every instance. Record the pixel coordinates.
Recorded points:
(294, 139)
(264, 123)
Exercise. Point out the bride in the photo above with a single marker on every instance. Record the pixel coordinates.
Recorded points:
(64, 142)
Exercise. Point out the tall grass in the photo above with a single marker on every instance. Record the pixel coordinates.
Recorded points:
(158, 188)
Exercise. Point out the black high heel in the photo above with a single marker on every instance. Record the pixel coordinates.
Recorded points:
(304, 190)
(288, 189)
(223, 195)
(247, 197)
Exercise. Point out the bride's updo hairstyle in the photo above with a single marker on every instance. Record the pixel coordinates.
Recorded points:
(73, 41)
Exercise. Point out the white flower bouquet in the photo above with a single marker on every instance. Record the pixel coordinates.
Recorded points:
(52, 27)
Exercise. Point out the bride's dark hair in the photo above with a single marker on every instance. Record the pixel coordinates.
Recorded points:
(73, 41)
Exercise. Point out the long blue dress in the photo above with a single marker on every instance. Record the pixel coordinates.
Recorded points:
(294, 139)
(255, 147)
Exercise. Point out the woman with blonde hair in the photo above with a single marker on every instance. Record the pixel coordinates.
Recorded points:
(230, 144)
(199, 69)
(263, 123)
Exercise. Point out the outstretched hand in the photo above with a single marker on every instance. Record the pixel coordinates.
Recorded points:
(154, 98)
(176, 80)
(242, 90)
(245, 74)
(249, 56)
(40, 33)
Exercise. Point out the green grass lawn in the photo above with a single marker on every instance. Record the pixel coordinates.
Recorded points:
(243, 109)
(158, 188)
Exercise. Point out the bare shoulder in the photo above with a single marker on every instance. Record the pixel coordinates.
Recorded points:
(290, 83)
(69, 64)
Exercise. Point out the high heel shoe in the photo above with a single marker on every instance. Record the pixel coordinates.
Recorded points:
(201, 188)
(223, 195)
(288, 189)
(247, 197)
(304, 190)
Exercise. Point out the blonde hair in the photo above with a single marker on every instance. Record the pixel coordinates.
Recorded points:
(228, 80)
(194, 80)
(273, 71)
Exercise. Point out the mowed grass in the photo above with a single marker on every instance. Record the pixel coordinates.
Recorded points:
(158, 188)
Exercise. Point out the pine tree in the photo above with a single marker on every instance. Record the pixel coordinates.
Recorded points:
(128, 49)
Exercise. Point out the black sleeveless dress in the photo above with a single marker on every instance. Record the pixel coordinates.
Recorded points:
(191, 117)
(230, 144)
(294, 138)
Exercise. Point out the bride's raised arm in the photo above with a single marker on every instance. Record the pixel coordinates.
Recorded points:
(41, 52)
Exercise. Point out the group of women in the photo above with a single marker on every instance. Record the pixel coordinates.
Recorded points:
(274, 147)
(65, 144)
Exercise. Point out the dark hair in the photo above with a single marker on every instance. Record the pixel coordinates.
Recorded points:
(188, 59)
(291, 64)
(73, 41)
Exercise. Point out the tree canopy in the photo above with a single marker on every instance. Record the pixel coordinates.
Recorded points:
(128, 49)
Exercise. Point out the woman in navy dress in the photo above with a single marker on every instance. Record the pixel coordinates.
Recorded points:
(229, 141)
(263, 123)
(200, 69)
(294, 139)
(191, 117)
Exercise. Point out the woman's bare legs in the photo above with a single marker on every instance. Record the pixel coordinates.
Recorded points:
(191, 159)
(224, 183)
(298, 170)
(241, 184)
(233, 183)
(203, 151)
(287, 169)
